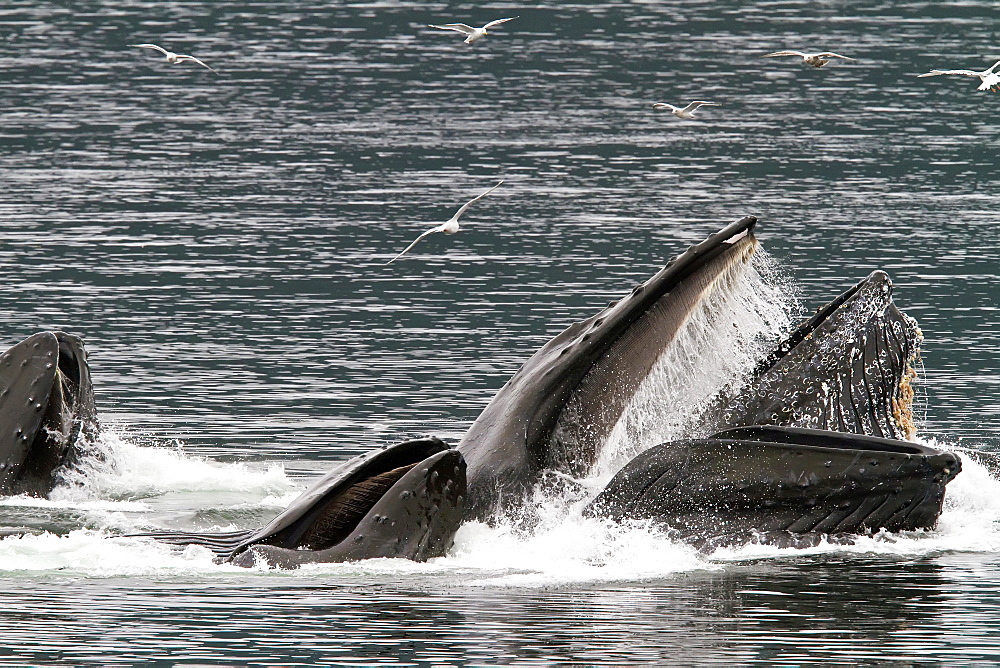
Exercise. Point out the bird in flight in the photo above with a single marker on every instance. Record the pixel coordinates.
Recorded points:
(687, 113)
(449, 227)
(171, 56)
(472, 34)
(990, 78)
(814, 59)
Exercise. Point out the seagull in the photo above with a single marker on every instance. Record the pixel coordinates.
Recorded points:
(814, 59)
(990, 78)
(171, 56)
(472, 34)
(449, 227)
(687, 112)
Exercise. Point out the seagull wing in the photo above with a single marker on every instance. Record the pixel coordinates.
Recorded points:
(664, 105)
(699, 103)
(785, 53)
(195, 60)
(830, 54)
(934, 73)
(151, 46)
(436, 228)
(457, 27)
(498, 22)
(474, 200)
(991, 82)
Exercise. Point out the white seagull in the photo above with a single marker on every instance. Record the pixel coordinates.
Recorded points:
(687, 112)
(990, 78)
(171, 56)
(472, 34)
(449, 227)
(814, 59)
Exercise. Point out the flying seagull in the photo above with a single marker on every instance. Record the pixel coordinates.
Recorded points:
(449, 227)
(814, 59)
(171, 56)
(472, 34)
(990, 78)
(687, 112)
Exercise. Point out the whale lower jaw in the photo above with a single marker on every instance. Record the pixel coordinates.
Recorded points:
(780, 479)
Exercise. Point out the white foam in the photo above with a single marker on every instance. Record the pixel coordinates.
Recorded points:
(93, 554)
(562, 549)
(123, 469)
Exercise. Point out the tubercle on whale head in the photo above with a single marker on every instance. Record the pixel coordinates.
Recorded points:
(848, 368)
(45, 389)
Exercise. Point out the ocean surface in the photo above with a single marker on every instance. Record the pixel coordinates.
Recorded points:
(220, 242)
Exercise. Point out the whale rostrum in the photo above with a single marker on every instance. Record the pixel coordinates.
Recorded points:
(559, 407)
(47, 411)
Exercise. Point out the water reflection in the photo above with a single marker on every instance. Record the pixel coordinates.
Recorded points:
(851, 609)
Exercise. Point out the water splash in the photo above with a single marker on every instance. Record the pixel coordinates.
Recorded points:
(557, 547)
(118, 468)
(750, 307)
(94, 554)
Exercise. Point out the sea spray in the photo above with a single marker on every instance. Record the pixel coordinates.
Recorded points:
(746, 313)
(122, 469)
(95, 554)
(566, 548)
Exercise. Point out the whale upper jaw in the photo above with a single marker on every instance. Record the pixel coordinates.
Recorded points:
(849, 368)
(46, 409)
(558, 409)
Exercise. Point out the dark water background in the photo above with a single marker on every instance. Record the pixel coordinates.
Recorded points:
(220, 243)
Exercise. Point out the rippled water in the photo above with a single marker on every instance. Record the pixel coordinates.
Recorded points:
(220, 243)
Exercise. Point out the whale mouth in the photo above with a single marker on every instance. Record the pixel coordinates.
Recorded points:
(404, 500)
(335, 519)
(651, 345)
(764, 479)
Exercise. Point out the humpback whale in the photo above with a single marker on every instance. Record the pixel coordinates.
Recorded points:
(405, 500)
(47, 412)
(810, 443)
(837, 391)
